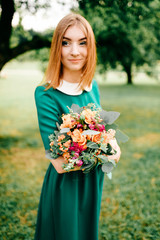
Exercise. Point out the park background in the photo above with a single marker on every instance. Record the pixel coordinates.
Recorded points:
(128, 74)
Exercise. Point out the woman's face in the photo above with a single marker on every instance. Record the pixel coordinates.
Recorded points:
(74, 49)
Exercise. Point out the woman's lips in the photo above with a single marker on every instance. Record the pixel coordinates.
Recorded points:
(75, 60)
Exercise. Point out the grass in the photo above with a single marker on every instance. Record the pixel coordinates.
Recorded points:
(130, 201)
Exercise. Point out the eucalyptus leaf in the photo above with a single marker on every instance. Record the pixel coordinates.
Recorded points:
(112, 161)
(56, 132)
(58, 126)
(103, 158)
(64, 130)
(109, 117)
(92, 145)
(76, 108)
(121, 137)
(107, 167)
(111, 126)
(90, 132)
(109, 175)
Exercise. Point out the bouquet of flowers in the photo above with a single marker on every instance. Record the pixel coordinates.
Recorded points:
(88, 137)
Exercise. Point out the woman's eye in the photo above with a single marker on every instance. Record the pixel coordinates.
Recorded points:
(83, 43)
(65, 43)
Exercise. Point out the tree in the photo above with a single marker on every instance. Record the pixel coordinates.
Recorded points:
(35, 41)
(127, 32)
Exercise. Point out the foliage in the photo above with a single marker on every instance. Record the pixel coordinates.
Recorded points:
(22, 41)
(127, 32)
(42, 55)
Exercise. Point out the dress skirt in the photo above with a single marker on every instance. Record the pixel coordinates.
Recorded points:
(69, 206)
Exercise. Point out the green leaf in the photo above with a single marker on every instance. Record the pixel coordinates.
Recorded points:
(88, 167)
(104, 148)
(121, 137)
(90, 132)
(109, 117)
(82, 117)
(111, 126)
(92, 145)
(103, 158)
(107, 167)
(64, 130)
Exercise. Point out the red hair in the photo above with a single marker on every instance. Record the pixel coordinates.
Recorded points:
(54, 69)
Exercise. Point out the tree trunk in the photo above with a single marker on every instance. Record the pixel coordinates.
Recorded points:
(6, 22)
(128, 70)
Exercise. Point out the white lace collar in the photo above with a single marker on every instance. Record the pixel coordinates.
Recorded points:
(71, 88)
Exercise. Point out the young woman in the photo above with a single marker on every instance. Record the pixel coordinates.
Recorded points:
(70, 202)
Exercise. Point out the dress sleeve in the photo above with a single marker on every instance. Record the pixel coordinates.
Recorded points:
(47, 112)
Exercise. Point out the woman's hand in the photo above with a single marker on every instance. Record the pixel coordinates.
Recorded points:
(57, 164)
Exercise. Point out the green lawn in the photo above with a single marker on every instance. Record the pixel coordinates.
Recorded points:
(131, 200)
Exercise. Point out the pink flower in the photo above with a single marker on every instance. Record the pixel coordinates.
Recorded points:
(76, 154)
(76, 148)
(79, 125)
(79, 163)
(100, 127)
(92, 126)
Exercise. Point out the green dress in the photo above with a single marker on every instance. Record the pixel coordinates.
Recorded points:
(69, 206)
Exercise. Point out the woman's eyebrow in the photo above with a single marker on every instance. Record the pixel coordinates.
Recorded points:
(71, 39)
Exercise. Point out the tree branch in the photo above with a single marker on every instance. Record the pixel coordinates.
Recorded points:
(36, 43)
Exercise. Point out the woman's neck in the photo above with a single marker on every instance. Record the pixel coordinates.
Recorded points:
(72, 77)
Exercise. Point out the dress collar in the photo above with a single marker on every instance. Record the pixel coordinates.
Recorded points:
(72, 88)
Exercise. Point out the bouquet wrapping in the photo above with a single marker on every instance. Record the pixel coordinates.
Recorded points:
(88, 137)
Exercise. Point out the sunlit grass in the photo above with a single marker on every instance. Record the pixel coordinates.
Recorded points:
(130, 201)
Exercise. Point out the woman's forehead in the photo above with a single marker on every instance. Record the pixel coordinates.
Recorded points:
(75, 31)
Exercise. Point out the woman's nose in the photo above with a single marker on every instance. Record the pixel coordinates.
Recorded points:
(75, 49)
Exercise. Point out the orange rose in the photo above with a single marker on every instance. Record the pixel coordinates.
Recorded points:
(68, 121)
(83, 141)
(78, 137)
(89, 115)
(96, 138)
